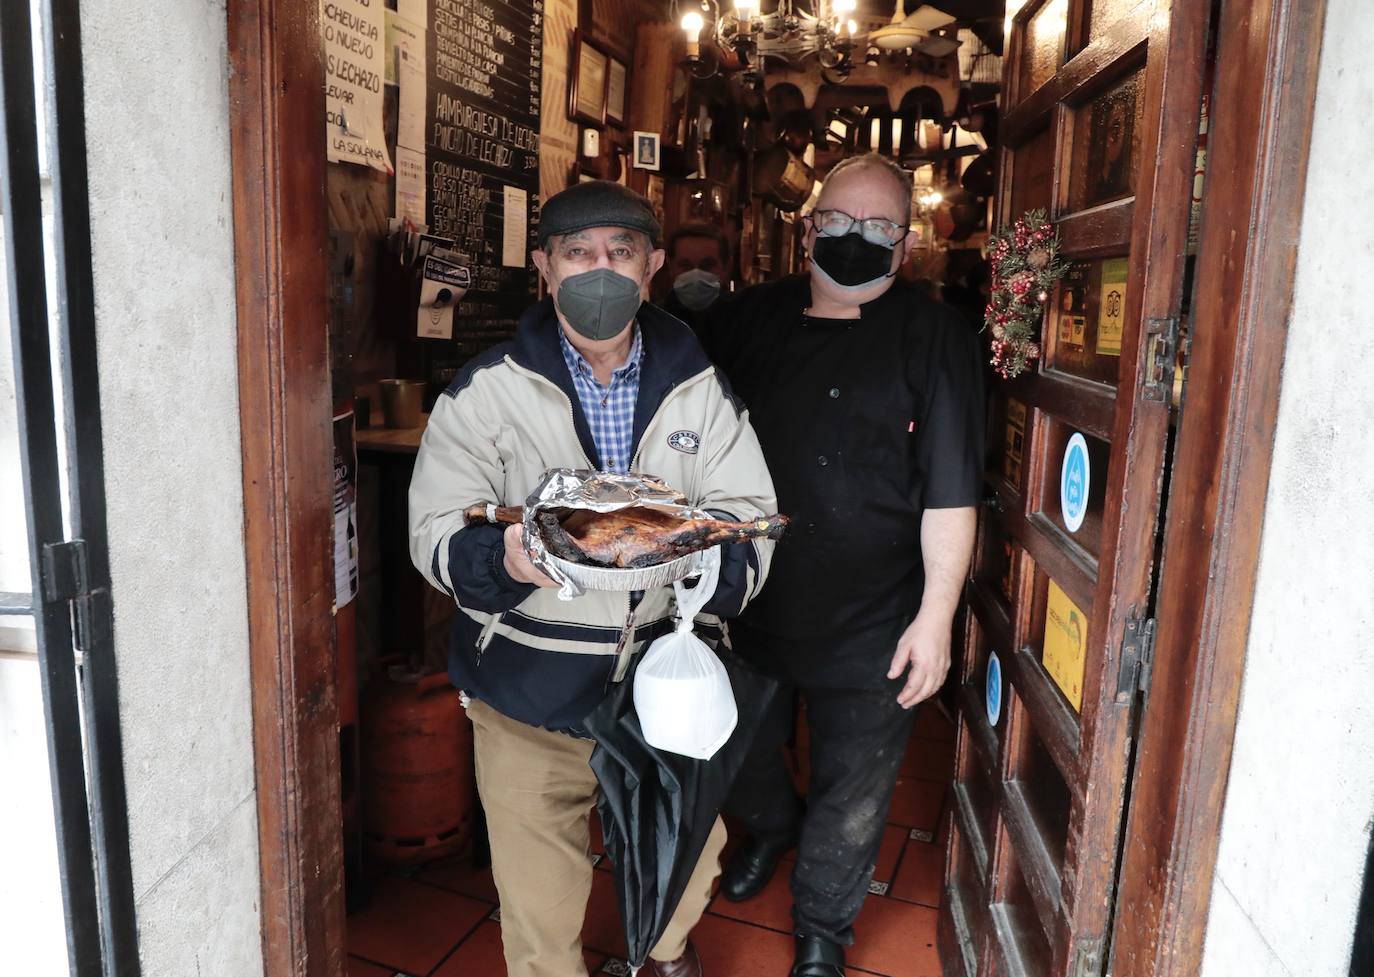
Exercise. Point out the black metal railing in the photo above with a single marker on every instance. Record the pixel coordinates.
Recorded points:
(70, 600)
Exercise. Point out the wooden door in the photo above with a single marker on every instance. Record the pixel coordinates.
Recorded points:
(1102, 101)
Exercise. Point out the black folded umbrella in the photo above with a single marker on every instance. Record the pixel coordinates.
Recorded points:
(657, 808)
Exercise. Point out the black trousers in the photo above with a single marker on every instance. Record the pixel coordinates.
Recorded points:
(858, 739)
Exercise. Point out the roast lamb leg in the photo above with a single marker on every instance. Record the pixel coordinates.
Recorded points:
(633, 537)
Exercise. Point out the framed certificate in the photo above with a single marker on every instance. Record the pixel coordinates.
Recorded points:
(587, 86)
(616, 76)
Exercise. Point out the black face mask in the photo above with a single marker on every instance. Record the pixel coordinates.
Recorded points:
(850, 261)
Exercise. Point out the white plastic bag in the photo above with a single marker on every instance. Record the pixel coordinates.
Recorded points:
(682, 692)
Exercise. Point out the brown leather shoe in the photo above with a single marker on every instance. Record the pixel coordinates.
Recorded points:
(687, 965)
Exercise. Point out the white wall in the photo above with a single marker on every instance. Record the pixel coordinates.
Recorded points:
(1301, 791)
(157, 111)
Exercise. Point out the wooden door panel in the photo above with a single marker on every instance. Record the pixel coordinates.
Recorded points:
(1098, 142)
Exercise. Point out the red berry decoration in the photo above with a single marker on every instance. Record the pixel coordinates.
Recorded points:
(1026, 267)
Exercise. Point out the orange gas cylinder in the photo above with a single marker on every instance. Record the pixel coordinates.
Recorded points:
(418, 784)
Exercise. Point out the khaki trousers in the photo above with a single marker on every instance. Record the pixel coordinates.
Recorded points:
(538, 791)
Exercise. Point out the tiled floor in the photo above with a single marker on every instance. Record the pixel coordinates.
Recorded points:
(442, 921)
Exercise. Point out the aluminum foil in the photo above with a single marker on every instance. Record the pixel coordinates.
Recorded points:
(580, 488)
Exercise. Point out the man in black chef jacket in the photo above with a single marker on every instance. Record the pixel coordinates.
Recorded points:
(868, 400)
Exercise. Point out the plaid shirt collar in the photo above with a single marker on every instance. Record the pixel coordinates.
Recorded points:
(609, 410)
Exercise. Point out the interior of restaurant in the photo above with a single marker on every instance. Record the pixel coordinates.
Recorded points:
(723, 116)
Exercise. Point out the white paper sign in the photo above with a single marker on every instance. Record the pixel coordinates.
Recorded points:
(515, 233)
(415, 11)
(410, 113)
(355, 63)
(405, 40)
(410, 185)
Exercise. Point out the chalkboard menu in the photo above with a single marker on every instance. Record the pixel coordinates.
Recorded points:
(484, 64)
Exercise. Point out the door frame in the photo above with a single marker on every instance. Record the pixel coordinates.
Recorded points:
(1231, 400)
(277, 123)
(1263, 97)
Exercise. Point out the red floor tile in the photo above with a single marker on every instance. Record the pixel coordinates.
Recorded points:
(916, 804)
(771, 908)
(603, 930)
(895, 938)
(459, 875)
(894, 836)
(361, 968)
(481, 956)
(920, 878)
(732, 949)
(410, 926)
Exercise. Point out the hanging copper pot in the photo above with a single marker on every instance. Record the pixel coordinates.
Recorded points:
(417, 768)
(782, 177)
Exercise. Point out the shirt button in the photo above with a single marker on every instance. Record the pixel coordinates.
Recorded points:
(822, 461)
(834, 393)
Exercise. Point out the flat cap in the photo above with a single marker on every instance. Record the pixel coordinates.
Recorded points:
(596, 203)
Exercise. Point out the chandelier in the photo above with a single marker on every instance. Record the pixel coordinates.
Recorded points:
(829, 31)
(786, 33)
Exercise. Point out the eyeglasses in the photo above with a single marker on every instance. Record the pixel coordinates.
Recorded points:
(874, 230)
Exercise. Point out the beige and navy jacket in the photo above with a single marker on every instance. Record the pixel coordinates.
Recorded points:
(511, 414)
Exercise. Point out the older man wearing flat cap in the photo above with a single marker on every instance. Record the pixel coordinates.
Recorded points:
(594, 378)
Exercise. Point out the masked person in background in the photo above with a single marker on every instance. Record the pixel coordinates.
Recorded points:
(699, 263)
(594, 378)
(868, 400)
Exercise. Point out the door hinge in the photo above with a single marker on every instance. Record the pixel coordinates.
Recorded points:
(65, 579)
(1137, 657)
(1087, 958)
(1161, 354)
(64, 570)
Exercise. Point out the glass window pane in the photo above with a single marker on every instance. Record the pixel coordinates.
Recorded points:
(1074, 492)
(1032, 167)
(1025, 924)
(1106, 145)
(1104, 13)
(1046, 793)
(1086, 316)
(1043, 48)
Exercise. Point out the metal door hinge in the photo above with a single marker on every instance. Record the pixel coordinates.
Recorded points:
(1137, 657)
(1161, 354)
(65, 579)
(64, 570)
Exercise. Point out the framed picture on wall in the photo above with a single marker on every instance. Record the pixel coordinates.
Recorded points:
(587, 82)
(646, 151)
(617, 76)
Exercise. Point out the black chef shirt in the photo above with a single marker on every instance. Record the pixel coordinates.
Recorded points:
(865, 424)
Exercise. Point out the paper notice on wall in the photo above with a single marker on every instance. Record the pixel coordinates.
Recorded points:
(415, 11)
(405, 40)
(355, 63)
(515, 233)
(410, 113)
(345, 512)
(410, 185)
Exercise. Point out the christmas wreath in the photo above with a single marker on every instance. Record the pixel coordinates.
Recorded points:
(1025, 268)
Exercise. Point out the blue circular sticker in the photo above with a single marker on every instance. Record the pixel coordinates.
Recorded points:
(1074, 480)
(994, 688)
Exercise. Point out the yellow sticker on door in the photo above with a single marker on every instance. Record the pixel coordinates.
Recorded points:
(1111, 306)
(1066, 640)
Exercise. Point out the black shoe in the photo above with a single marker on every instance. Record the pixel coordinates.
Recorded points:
(817, 958)
(751, 867)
